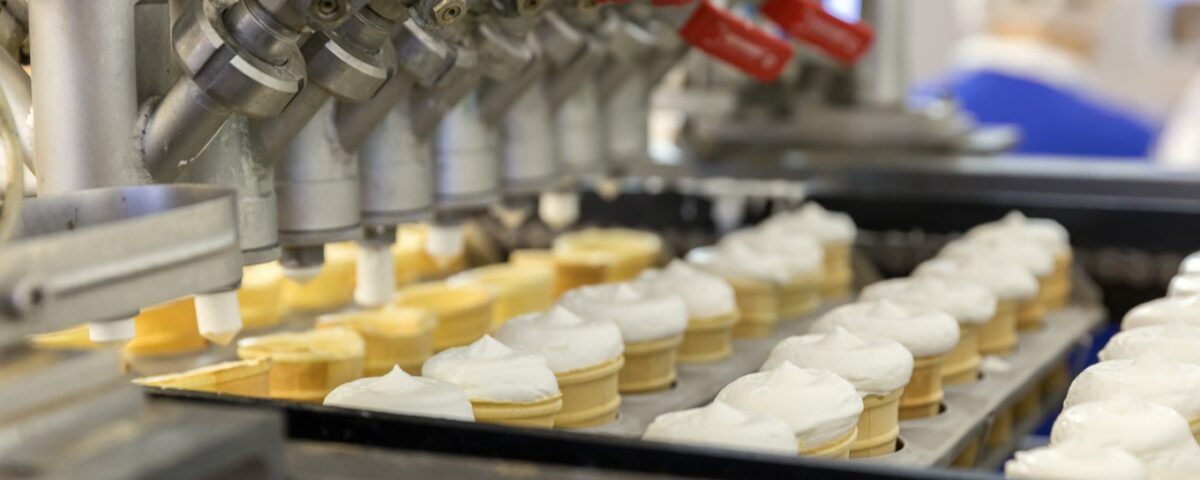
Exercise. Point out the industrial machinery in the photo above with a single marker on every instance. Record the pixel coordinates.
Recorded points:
(174, 142)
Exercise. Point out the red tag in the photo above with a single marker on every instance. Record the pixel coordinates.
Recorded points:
(737, 42)
(808, 21)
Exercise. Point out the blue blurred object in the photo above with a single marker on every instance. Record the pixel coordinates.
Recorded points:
(848, 10)
(1052, 120)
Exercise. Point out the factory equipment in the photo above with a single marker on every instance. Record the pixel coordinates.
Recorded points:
(176, 141)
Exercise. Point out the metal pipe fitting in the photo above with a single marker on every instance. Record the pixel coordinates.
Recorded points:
(229, 162)
(317, 184)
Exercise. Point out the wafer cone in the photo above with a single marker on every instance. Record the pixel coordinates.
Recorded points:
(967, 457)
(708, 339)
(649, 365)
(1029, 404)
(166, 329)
(923, 395)
(1060, 282)
(632, 251)
(758, 307)
(393, 337)
(248, 378)
(590, 396)
(878, 426)
(260, 297)
(413, 263)
(999, 335)
(331, 289)
(1002, 428)
(519, 289)
(464, 312)
(1031, 312)
(839, 271)
(962, 364)
(306, 366)
(539, 414)
(800, 296)
(839, 448)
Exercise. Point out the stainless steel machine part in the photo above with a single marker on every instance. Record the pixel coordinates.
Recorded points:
(317, 185)
(104, 253)
(15, 86)
(241, 59)
(230, 161)
(86, 142)
(72, 416)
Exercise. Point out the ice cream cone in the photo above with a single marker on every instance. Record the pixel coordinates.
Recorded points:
(708, 339)
(1029, 404)
(1059, 284)
(839, 448)
(519, 289)
(631, 250)
(72, 339)
(878, 426)
(967, 457)
(999, 335)
(261, 295)
(923, 395)
(332, 288)
(1030, 313)
(413, 263)
(800, 296)
(839, 271)
(589, 395)
(394, 337)
(166, 329)
(539, 414)
(576, 270)
(1056, 382)
(306, 366)
(1194, 423)
(1002, 428)
(962, 364)
(464, 313)
(758, 307)
(245, 377)
(649, 365)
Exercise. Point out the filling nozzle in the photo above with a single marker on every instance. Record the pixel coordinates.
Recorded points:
(375, 274)
(218, 316)
(558, 209)
(445, 240)
(301, 264)
(112, 333)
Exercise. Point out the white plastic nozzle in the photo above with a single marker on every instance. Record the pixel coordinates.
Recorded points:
(112, 333)
(444, 243)
(510, 217)
(301, 275)
(375, 275)
(218, 316)
(558, 209)
(727, 212)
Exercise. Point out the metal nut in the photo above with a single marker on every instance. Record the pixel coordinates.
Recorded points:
(446, 12)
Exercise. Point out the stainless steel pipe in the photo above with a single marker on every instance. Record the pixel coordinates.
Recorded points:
(84, 93)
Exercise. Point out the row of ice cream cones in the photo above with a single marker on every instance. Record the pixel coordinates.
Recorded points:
(1136, 414)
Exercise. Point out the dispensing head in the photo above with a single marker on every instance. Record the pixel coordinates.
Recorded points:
(445, 240)
(375, 274)
(558, 209)
(218, 316)
(302, 263)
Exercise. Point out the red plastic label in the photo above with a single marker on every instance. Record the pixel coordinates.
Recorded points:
(809, 22)
(737, 42)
